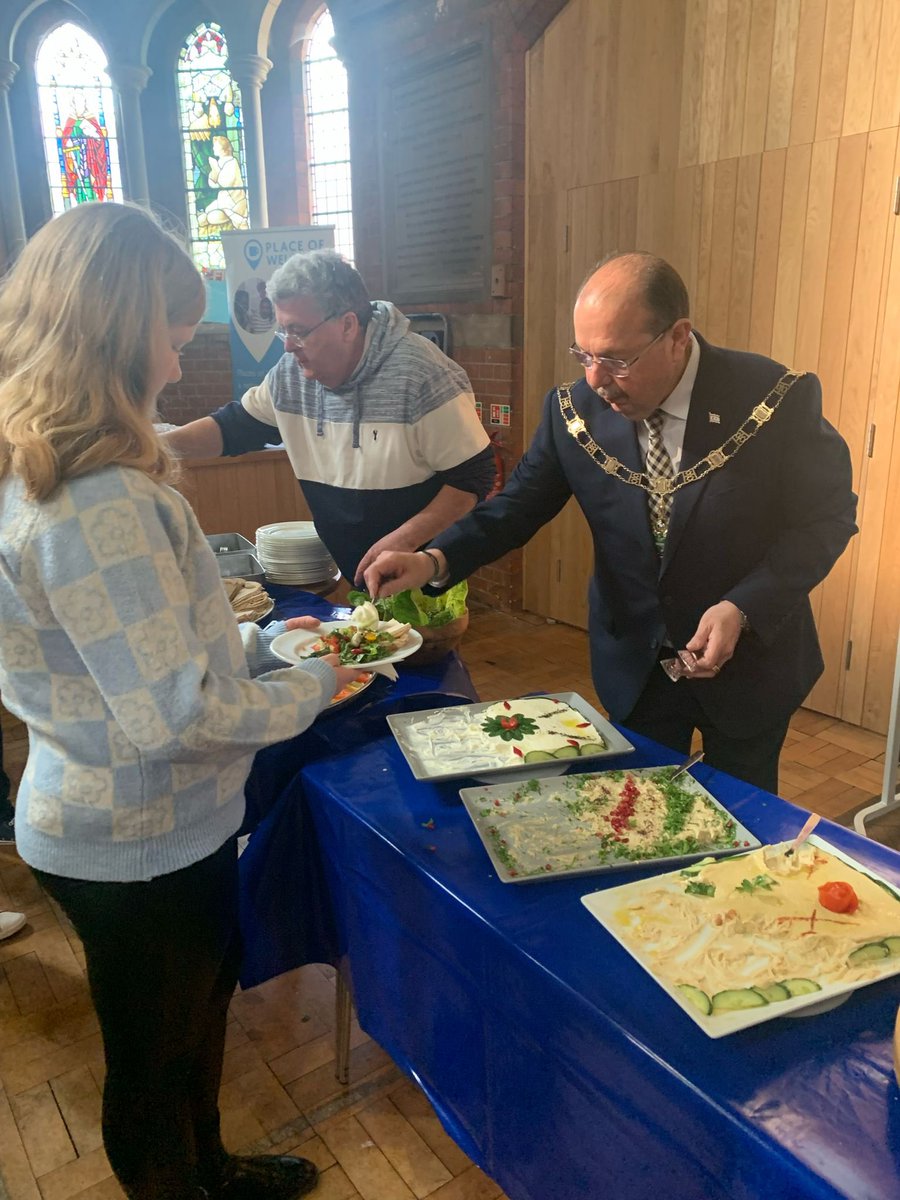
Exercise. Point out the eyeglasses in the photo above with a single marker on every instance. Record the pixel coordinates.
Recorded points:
(617, 367)
(300, 339)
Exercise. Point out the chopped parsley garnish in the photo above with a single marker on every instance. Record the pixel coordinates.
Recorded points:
(766, 882)
(697, 887)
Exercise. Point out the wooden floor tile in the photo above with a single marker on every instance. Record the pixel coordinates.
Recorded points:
(411, 1102)
(79, 1102)
(87, 1171)
(364, 1164)
(409, 1155)
(42, 1129)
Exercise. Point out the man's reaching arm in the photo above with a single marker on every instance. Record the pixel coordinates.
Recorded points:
(198, 439)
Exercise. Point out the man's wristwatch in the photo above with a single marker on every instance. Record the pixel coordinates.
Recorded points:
(745, 621)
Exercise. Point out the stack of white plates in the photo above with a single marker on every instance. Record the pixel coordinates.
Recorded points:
(291, 552)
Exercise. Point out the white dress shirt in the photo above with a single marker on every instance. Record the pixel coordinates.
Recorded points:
(675, 411)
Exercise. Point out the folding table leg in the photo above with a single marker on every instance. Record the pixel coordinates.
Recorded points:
(343, 1012)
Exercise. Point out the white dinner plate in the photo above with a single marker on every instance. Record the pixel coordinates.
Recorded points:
(295, 646)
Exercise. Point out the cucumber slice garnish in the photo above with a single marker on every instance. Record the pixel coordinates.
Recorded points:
(737, 999)
(592, 748)
(698, 998)
(868, 953)
(534, 756)
(893, 945)
(774, 992)
(801, 987)
(566, 752)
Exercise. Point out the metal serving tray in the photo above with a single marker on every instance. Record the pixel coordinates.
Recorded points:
(401, 725)
(230, 543)
(241, 566)
(530, 833)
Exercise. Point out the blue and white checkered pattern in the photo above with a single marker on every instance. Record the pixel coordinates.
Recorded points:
(119, 650)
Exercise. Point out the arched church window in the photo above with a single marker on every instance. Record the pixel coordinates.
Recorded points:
(212, 134)
(328, 135)
(78, 120)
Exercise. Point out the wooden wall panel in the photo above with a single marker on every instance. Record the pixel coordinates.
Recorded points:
(753, 143)
(791, 243)
(886, 91)
(835, 57)
(768, 234)
(238, 495)
(735, 80)
(781, 76)
(860, 76)
(807, 70)
(759, 66)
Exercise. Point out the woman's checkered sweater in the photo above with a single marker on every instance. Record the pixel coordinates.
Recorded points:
(119, 650)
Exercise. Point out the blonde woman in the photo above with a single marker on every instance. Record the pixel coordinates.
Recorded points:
(119, 650)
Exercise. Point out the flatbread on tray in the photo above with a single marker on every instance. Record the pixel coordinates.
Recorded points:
(250, 601)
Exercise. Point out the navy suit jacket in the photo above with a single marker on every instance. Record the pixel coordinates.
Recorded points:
(761, 531)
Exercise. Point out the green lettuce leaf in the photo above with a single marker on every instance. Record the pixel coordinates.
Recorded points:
(415, 608)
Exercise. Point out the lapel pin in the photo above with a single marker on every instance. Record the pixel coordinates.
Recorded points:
(715, 419)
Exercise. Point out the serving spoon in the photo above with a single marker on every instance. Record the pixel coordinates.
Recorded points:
(687, 764)
(810, 824)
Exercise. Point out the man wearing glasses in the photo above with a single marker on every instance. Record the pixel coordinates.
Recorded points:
(379, 425)
(717, 496)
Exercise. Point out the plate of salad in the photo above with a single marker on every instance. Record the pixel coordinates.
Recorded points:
(356, 642)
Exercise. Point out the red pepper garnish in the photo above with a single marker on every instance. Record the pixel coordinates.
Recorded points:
(516, 750)
(583, 725)
(506, 704)
(572, 742)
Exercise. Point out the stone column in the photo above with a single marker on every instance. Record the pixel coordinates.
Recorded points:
(250, 72)
(129, 80)
(10, 196)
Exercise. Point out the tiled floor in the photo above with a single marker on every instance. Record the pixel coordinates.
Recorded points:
(377, 1138)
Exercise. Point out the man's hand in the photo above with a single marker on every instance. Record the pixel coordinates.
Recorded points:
(715, 639)
(397, 539)
(395, 571)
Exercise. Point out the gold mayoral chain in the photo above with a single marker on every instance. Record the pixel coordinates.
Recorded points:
(661, 485)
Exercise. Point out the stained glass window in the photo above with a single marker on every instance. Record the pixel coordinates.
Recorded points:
(78, 119)
(328, 135)
(212, 135)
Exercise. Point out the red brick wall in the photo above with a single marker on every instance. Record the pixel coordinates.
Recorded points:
(206, 378)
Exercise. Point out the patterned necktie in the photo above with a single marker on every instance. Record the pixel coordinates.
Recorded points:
(660, 472)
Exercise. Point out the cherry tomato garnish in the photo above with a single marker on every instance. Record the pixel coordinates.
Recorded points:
(838, 897)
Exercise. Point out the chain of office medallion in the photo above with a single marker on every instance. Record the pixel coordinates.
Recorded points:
(660, 485)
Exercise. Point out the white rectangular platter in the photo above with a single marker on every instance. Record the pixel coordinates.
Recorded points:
(449, 764)
(533, 830)
(606, 905)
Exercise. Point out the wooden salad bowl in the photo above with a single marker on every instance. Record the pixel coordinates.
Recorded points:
(436, 642)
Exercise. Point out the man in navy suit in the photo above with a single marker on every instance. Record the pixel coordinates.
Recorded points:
(717, 496)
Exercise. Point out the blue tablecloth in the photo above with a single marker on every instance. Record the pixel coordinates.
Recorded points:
(550, 1055)
(287, 916)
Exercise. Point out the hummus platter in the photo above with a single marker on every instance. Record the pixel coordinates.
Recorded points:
(584, 823)
(530, 736)
(758, 935)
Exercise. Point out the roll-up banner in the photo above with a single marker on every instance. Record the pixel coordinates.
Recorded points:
(251, 258)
